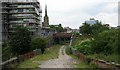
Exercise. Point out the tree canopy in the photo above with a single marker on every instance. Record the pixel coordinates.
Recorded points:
(59, 27)
(20, 40)
(39, 43)
(87, 29)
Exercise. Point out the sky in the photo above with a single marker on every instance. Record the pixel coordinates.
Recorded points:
(73, 13)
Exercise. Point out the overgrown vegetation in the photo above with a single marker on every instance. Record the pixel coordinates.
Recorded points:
(50, 53)
(102, 43)
(59, 27)
(20, 40)
(39, 43)
(87, 29)
(79, 64)
(68, 51)
(6, 52)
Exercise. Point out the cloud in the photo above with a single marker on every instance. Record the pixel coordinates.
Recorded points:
(107, 18)
(74, 12)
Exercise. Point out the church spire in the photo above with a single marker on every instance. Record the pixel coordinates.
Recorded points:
(45, 10)
(46, 18)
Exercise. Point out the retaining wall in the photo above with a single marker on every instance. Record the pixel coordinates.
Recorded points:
(99, 63)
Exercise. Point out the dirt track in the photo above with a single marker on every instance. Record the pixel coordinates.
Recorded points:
(63, 61)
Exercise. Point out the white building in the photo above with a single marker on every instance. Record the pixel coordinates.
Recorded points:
(92, 21)
(68, 30)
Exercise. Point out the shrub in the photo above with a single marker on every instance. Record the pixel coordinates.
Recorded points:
(106, 42)
(84, 47)
(68, 50)
(20, 40)
(39, 43)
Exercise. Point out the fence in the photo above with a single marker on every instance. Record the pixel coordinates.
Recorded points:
(9, 63)
(99, 63)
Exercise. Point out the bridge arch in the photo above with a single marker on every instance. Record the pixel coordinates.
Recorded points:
(60, 37)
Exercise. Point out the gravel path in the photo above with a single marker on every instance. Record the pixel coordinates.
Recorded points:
(64, 61)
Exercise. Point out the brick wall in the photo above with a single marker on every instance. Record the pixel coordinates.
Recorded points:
(99, 63)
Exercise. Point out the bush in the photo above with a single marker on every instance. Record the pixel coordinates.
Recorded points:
(84, 47)
(20, 40)
(39, 43)
(106, 42)
(88, 60)
(68, 51)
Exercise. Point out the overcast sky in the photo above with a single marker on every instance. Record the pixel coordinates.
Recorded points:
(73, 13)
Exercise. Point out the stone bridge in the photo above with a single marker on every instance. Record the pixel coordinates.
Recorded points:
(59, 37)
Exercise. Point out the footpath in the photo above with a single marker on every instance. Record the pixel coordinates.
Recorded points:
(63, 61)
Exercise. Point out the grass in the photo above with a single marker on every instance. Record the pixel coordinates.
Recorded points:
(6, 53)
(27, 64)
(102, 56)
(50, 53)
(77, 40)
(81, 64)
(108, 58)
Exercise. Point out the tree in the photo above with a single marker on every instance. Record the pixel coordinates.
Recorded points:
(106, 42)
(39, 43)
(20, 40)
(85, 29)
(60, 28)
(98, 27)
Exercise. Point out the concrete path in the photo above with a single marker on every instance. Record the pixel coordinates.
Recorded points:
(63, 61)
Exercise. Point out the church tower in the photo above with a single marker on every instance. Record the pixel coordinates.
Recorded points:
(46, 18)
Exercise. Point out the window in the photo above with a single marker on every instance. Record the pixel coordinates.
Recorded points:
(20, 10)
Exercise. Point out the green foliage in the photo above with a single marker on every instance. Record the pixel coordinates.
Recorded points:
(76, 34)
(59, 27)
(6, 51)
(98, 27)
(84, 47)
(106, 42)
(87, 29)
(39, 43)
(81, 64)
(50, 53)
(118, 48)
(68, 51)
(109, 57)
(105, 39)
(20, 40)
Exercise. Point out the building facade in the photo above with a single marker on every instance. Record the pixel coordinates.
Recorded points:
(92, 21)
(20, 12)
(68, 29)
